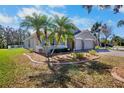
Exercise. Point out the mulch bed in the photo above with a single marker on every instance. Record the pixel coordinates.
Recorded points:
(64, 58)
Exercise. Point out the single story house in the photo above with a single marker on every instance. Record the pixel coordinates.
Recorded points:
(83, 40)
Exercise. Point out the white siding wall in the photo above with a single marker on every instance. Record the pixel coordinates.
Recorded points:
(78, 44)
(87, 38)
(30, 43)
(88, 44)
(26, 43)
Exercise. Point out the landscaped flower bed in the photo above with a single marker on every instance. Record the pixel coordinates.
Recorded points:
(74, 57)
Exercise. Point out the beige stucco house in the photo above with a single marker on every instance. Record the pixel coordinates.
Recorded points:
(83, 40)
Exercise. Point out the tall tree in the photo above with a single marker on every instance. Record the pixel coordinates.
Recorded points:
(115, 8)
(11, 36)
(2, 38)
(96, 30)
(64, 29)
(35, 22)
(116, 40)
(107, 32)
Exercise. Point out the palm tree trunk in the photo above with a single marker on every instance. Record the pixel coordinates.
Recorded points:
(55, 46)
(38, 36)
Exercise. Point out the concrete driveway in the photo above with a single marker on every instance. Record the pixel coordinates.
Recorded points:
(112, 53)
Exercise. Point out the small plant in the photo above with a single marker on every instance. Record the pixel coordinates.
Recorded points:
(109, 48)
(31, 50)
(97, 47)
(92, 52)
(78, 55)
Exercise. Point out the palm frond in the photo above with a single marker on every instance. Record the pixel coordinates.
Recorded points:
(120, 23)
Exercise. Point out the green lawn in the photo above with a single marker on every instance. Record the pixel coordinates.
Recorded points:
(9, 70)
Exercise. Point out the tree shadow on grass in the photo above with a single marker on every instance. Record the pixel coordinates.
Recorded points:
(60, 78)
(96, 66)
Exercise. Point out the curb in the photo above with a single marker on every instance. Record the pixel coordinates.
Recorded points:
(33, 61)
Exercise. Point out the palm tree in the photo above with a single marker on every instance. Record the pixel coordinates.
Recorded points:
(34, 22)
(115, 9)
(120, 23)
(96, 29)
(41, 24)
(63, 29)
(116, 40)
(106, 31)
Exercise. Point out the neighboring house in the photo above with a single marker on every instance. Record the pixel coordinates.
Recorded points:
(83, 40)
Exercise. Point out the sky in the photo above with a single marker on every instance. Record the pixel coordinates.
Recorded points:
(12, 15)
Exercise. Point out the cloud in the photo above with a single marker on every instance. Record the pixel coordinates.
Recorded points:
(109, 22)
(52, 12)
(122, 9)
(28, 12)
(82, 22)
(38, 10)
(5, 19)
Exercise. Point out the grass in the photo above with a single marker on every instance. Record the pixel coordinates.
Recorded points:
(15, 68)
(17, 71)
(9, 70)
(90, 74)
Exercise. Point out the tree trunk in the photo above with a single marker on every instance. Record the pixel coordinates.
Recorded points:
(38, 36)
(55, 46)
(106, 42)
(99, 39)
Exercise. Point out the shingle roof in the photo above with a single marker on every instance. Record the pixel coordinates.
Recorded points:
(76, 32)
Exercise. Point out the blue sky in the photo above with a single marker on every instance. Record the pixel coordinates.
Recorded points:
(13, 14)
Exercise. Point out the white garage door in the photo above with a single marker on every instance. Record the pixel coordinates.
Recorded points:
(88, 44)
(78, 44)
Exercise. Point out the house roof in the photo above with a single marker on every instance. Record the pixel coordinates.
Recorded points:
(85, 35)
(76, 32)
(33, 35)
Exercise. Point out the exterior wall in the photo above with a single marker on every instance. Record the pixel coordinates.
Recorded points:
(88, 44)
(31, 42)
(26, 43)
(84, 44)
(84, 40)
(78, 44)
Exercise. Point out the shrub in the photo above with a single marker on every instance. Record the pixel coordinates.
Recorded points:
(109, 48)
(97, 47)
(31, 50)
(92, 52)
(78, 55)
(60, 50)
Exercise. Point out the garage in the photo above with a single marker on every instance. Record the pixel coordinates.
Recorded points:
(84, 41)
(78, 44)
(88, 44)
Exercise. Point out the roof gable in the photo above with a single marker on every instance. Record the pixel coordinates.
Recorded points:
(85, 34)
